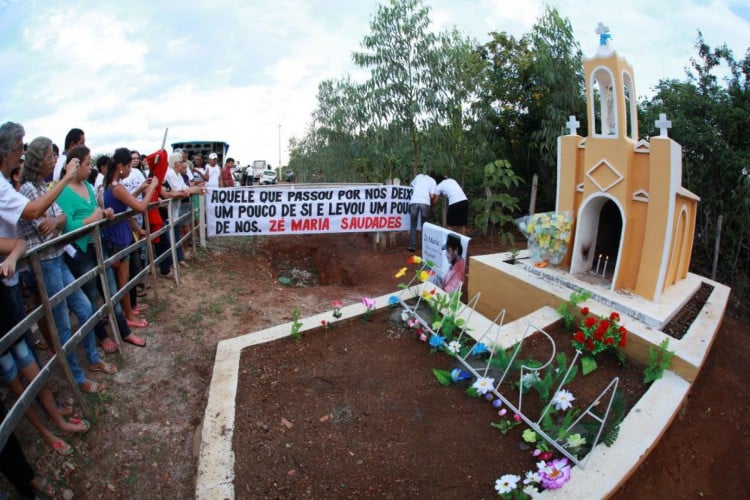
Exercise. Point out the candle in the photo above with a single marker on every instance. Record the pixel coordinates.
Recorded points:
(606, 261)
(598, 262)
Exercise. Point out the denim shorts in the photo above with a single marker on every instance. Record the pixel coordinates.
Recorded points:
(14, 360)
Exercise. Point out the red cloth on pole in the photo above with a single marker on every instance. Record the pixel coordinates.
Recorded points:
(158, 165)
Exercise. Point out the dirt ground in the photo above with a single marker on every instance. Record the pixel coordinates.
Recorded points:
(143, 440)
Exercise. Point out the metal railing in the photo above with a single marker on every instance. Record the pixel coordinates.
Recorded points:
(47, 303)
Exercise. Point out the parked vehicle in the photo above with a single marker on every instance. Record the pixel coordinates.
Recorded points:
(289, 176)
(268, 177)
(204, 148)
(258, 167)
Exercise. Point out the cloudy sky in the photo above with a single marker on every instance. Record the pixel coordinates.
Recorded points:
(246, 72)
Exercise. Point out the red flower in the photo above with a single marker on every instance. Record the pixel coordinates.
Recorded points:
(590, 345)
(323, 322)
(604, 325)
(599, 334)
(623, 338)
(590, 322)
(609, 341)
(585, 311)
(614, 316)
(579, 337)
(623, 330)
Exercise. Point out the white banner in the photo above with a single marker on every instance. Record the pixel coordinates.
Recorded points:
(271, 211)
(449, 257)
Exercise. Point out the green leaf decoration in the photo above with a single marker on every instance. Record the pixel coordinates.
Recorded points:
(443, 376)
(588, 364)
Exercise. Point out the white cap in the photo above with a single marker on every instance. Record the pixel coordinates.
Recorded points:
(213, 156)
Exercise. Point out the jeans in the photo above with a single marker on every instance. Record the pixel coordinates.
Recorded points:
(81, 263)
(56, 277)
(415, 211)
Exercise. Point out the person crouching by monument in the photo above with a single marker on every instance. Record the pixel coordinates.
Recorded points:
(423, 189)
(458, 203)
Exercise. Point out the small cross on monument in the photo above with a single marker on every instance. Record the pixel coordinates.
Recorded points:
(573, 125)
(663, 124)
(603, 31)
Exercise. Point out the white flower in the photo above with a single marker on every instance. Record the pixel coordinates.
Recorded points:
(405, 315)
(563, 400)
(575, 441)
(529, 379)
(483, 385)
(531, 491)
(506, 483)
(454, 346)
(532, 477)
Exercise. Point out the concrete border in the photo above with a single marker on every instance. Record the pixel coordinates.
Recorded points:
(607, 468)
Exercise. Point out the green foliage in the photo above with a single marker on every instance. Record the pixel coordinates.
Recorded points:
(569, 310)
(443, 376)
(505, 425)
(553, 376)
(613, 423)
(444, 309)
(658, 361)
(495, 210)
(296, 324)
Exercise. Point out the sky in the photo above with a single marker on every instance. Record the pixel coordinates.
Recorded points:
(247, 71)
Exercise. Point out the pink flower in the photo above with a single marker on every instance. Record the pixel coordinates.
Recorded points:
(368, 302)
(337, 304)
(516, 417)
(423, 337)
(555, 474)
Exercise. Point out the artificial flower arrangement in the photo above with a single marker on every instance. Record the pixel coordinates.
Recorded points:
(561, 420)
(598, 334)
(548, 235)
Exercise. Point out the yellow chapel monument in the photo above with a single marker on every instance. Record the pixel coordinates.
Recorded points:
(634, 222)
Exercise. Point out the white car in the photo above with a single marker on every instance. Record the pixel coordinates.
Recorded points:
(268, 177)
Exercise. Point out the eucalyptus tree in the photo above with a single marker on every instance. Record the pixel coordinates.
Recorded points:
(556, 87)
(399, 52)
(454, 82)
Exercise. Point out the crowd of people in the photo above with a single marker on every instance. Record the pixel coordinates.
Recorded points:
(43, 194)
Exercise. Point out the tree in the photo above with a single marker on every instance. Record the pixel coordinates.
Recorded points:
(399, 52)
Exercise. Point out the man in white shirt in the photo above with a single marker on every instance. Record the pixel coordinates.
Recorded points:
(423, 189)
(213, 171)
(75, 137)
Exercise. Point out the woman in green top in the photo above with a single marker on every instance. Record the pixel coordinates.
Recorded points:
(79, 203)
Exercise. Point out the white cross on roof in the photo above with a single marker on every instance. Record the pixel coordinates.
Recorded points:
(601, 29)
(663, 124)
(573, 125)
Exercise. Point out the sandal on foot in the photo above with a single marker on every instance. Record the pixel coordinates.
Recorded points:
(81, 421)
(108, 346)
(103, 366)
(142, 323)
(135, 340)
(91, 387)
(62, 448)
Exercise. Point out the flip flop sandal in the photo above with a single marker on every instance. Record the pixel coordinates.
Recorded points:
(137, 324)
(91, 387)
(103, 366)
(62, 448)
(108, 346)
(135, 340)
(78, 421)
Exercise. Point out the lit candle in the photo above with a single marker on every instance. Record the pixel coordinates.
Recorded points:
(606, 261)
(598, 262)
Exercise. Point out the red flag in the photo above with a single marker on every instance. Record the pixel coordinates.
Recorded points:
(158, 165)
